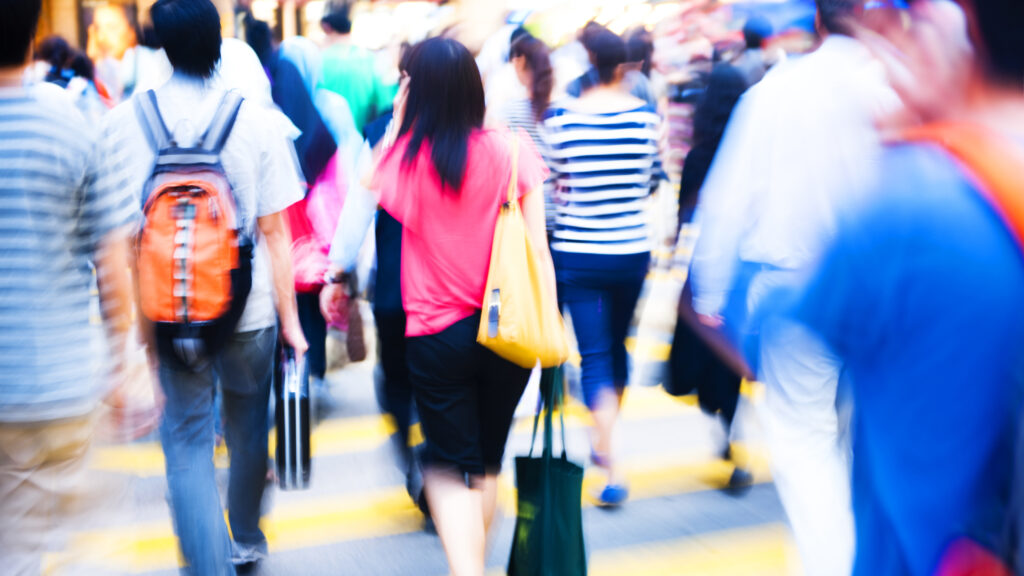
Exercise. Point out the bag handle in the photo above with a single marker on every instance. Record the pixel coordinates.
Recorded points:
(223, 121)
(993, 159)
(513, 179)
(552, 396)
(152, 122)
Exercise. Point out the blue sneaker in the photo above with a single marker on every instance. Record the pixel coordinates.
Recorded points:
(613, 496)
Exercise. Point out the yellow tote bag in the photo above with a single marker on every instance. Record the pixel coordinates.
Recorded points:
(520, 320)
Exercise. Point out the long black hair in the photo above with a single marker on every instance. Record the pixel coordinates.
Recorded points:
(445, 104)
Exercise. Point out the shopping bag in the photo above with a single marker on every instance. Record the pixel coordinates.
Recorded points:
(548, 539)
(291, 393)
(521, 322)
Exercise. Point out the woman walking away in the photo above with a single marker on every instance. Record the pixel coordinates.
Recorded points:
(531, 59)
(445, 178)
(604, 149)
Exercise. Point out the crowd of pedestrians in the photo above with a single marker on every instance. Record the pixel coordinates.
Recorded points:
(860, 232)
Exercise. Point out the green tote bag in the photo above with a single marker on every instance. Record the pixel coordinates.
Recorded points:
(548, 538)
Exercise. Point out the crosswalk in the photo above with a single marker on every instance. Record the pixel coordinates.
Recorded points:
(357, 519)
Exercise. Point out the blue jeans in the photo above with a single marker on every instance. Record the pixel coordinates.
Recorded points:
(601, 293)
(245, 370)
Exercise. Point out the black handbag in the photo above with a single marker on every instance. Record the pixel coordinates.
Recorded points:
(548, 538)
(291, 392)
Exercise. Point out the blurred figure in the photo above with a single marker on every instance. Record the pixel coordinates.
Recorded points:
(145, 65)
(56, 53)
(718, 384)
(592, 36)
(352, 71)
(257, 158)
(801, 145)
(751, 62)
(502, 83)
(531, 60)
(639, 55)
(67, 210)
(82, 88)
(315, 147)
(444, 179)
(920, 296)
(604, 151)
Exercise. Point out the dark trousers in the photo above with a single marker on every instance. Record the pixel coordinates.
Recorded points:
(315, 328)
(466, 397)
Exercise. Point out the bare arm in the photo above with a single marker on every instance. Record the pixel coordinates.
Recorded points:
(536, 229)
(278, 240)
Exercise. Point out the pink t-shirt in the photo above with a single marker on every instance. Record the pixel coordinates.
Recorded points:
(447, 236)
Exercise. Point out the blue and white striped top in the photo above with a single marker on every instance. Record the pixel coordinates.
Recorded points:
(606, 165)
(61, 193)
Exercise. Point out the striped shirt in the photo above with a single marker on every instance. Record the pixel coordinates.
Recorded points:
(61, 193)
(605, 166)
(518, 114)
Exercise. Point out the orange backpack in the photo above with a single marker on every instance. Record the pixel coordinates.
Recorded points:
(194, 253)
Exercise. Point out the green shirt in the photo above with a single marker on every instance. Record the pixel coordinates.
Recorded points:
(351, 72)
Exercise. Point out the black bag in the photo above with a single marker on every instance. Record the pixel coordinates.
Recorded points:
(291, 392)
(548, 537)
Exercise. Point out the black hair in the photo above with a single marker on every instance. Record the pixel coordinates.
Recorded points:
(608, 52)
(82, 66)
(189, 31)
(1001, 44)
(834, 14)
(640, 48)
(338, 19)
(445, 104)
(756, 30)
(17, 29)
(53, 50)
(147, 37)
(518, 33)
(538, 60)
(259, 36)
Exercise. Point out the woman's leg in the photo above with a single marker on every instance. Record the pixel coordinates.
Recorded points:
(457, 511)
(444, 369)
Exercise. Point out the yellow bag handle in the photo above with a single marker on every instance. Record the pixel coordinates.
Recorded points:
(513, 180)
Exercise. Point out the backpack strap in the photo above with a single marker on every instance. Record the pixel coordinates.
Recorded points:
(223, 121)
(994, 160)
(152, 122)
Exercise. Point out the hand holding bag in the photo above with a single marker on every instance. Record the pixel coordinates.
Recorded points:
(548, 538)
(520, 321)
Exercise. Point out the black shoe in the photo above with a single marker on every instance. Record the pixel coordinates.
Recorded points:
(740, 482)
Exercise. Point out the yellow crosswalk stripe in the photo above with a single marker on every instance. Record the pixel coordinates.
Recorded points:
(365, 433)
(762, 550)
(765, 550)
(388, 512)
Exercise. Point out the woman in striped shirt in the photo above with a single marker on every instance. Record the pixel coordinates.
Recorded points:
(604, 149)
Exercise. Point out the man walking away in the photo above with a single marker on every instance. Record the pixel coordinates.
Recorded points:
(352, 71)
(257, 160)
(64, 209)
(800, 144)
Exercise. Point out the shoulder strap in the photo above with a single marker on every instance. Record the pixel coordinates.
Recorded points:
(223, 121)
(992, 159)
(513, 179)
(152, 122)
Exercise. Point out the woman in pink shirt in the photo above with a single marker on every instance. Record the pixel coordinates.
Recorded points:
(445, 178)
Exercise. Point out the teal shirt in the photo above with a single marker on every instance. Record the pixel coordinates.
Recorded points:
(351, 72)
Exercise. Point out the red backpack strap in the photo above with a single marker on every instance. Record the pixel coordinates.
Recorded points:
(993, 160)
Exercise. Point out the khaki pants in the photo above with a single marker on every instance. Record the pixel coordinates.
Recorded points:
(43, 469)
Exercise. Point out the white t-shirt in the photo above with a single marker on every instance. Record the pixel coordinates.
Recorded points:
(258, 157)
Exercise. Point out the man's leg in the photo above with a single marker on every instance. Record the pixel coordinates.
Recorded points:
(810, 469)
(246, 368)
(42, 471)
(187, 436)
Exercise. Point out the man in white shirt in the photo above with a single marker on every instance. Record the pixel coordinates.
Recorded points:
(258, 160)
(801, 144)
